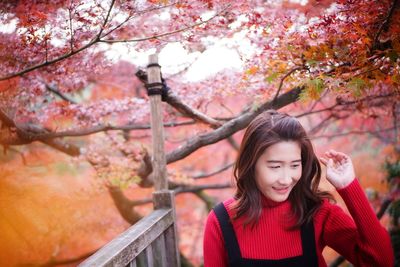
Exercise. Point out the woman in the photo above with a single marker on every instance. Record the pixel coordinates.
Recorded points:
(279, 218)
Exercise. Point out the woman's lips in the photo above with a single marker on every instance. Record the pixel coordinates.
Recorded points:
(282, 190)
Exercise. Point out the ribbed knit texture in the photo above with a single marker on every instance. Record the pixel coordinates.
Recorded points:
(361, 240)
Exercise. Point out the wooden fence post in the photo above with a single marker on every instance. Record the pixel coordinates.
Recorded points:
(162, 197)
(157, 129)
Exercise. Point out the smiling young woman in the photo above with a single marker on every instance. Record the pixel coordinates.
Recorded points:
(278, 217)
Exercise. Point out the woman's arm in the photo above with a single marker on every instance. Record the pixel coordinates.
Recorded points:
(364, 242)
(360, 238)
(213, 246)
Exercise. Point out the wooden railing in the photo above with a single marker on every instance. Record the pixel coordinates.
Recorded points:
(151, 242)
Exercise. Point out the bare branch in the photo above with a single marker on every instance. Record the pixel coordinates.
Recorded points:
(186, 110)
(105, 20)
(208, 200)
(231, 126)
(71, 42)
(321, 124)
(63, 146)
(101, 128)
(206, 175)
(24, 137)
(124, 205)
(195, 188)
(342, 102)
(233, 143)
(353, 132)
(54, 90)
(137, 14)
(283, 79)
(167, 33)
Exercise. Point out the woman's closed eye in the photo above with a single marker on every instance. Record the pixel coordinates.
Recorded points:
(274, 167)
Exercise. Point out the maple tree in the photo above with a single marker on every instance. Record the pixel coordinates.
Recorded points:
(333, 64)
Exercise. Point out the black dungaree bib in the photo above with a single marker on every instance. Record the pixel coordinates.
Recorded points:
(308, 259)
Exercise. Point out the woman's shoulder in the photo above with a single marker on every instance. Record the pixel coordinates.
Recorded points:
(327, 205)
(228, 204)
(328, 209)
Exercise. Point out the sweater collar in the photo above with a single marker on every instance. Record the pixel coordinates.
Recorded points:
(267, 202)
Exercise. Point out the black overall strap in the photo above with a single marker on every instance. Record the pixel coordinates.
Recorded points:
(308, 258)
(308, 243)
(231, 243)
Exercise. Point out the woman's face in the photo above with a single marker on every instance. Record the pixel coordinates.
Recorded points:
(278, 169)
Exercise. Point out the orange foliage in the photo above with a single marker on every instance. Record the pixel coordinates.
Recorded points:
(8, 84)
(48, 210)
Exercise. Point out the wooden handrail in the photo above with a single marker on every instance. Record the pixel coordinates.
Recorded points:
(128, 245)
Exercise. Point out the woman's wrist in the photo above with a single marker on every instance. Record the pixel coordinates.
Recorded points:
(348, 186)
(343, 184)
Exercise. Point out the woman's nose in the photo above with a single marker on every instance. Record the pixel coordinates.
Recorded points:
(286, 177)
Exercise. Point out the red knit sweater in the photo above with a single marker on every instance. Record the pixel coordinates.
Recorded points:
(360, 239)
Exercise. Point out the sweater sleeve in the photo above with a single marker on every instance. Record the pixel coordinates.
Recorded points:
(213, 246)
(360, 239)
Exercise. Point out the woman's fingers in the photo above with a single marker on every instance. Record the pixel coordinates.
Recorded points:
(327, 162)
(336, 156)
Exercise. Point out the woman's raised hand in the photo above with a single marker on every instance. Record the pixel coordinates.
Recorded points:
(339, 168)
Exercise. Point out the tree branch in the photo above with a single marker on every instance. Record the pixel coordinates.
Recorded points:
(233, 143)
(384, 25)
(141, 12)
(231, 126)
(47, 63)
(283, 79)
(54, 90)
(342, 102)
(92, 42)
(206, 175)
(186, 110)
(124, 205)
(353, 132)
(21, 136)
(105, 20)
(167, 33)
(102, 128)
(208, 200)
(71, 41)
(195, 188)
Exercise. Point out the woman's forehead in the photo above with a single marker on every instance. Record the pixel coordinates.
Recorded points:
(283, 151)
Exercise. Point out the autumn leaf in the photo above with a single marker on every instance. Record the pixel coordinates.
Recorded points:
(357, 85)
(271, 77)
(252, 70)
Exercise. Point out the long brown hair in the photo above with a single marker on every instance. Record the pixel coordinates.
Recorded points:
(268, 128)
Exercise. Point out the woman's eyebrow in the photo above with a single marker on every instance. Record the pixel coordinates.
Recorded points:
(281, 161)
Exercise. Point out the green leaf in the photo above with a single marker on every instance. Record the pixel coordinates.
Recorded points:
(357, 85)
(272, 77)
(312, 62)
(314, 88)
